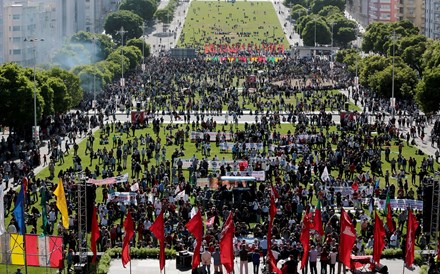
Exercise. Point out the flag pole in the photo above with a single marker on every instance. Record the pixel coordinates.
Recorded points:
(130, 259)
(23, 211)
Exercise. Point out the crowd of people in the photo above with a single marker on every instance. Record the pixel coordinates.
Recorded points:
(195, 93)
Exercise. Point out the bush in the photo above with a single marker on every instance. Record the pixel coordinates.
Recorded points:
(423, 269)
(136, 253)
(397, 254)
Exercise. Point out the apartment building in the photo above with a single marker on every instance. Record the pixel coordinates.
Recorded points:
(432, 19)
(368, 11)
(32, 30)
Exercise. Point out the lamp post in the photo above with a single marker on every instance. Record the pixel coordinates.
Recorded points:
(94, 72)
(143, 46)
(393, 100)
(35, 132)
(122, 32)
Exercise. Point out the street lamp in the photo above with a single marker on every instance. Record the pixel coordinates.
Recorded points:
(35, 132)
(143, 46)
(393, 100)
(122, 32)
(94, 72)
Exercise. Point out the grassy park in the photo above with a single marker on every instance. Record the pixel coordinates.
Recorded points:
(215, 22)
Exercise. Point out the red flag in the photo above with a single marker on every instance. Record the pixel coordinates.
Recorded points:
(210, 221)
(390, 223)
(226, 244)
(272, 211)
(158, 229)
(347, 238)
(274, 192)
(410, 238)
(129, 233)
(94, 236)
(195, 227)
(318, 219)
(379, 236)
(305, 239)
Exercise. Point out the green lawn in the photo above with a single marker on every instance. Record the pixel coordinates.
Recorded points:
(215, 22)
(30, 269)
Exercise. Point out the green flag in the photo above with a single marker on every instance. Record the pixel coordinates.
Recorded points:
(387, 203)
(43, 209)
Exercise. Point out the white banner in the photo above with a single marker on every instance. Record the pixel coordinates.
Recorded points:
(347, 190)
(260, 176)
(186, 163)
(249, 146)
(212, 135)
(397, 203)
(123, 197)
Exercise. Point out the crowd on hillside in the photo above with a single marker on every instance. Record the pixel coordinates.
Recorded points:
(294, 162)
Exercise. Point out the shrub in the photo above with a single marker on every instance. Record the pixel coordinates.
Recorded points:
(138, 253)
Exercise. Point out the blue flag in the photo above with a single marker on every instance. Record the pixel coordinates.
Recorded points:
(19, 212)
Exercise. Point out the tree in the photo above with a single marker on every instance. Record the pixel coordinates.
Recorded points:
(344, 30)
(378, 36)
(61, 97)
(130, 21)
(144, 8)
(72, 83)
(164, 15)
(350, 57)
(304, 3)
(330, 10)
(319, 27)
(410, 49)
(427, 94)
(431, 56)
(71, 55)
(103, 44)
(318, 5)
(405, 81)
(17, 100)
(371, 65)
(138, 43)
(297, 11)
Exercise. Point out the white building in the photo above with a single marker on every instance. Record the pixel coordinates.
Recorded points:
(432, 19)
(32, 30)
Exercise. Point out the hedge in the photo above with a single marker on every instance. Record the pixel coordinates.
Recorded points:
(135, 253)
(396, 253)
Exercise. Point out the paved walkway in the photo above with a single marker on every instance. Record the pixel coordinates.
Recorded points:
(152, 266)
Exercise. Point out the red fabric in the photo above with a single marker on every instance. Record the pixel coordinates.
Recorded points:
(56, 251)
(305, 239)
(158, 229)
(355, 186)
(226, 244)
(274, 192)
(347, 238)
(318, 220)
(195, 227)
(390, 224)
(129, 233)
(410, 238)
(32, 250)
(94, 236)
(272, 211)
(379, 236)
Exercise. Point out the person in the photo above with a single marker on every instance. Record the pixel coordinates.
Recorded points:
(243, 259)
(263, 246)
(291, 265)
(256, 260)
(324, 260)
(333, 256)
(69, 258)
(18, 271)
(206, 261)
(313, 258)
(217, 261)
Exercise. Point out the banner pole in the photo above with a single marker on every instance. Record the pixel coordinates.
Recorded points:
(24, 223)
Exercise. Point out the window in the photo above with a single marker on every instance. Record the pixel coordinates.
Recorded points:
(16, 39)
(16, 28)
(16, 17)
(15, 51)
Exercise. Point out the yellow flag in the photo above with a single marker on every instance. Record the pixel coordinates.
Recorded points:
(61, 203)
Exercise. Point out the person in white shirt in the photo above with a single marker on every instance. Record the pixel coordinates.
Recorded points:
(333, 258)
(313, 258)
(206, 261)
(263, 246)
